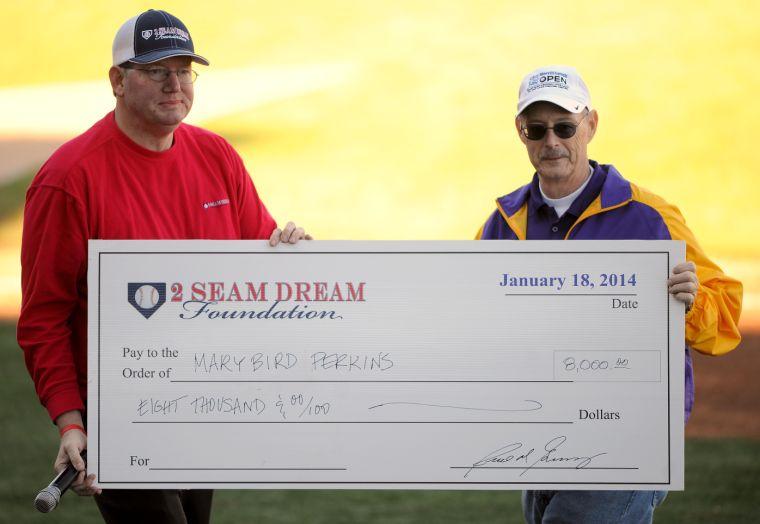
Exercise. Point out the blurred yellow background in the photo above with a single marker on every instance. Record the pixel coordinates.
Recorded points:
(394, 119)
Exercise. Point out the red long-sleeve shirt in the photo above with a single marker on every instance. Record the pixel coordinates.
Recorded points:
(102, 185)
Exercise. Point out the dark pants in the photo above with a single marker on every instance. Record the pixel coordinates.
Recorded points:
(146, 506)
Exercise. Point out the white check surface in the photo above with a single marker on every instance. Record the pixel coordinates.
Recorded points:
(385, 365)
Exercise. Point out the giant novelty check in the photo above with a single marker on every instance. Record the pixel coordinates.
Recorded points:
(403, 365)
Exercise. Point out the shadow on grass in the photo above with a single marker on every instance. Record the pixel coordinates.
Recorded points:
(721, 480)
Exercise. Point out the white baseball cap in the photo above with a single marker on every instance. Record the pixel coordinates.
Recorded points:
(558, 84)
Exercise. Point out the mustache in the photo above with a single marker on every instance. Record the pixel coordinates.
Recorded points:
(553, 155)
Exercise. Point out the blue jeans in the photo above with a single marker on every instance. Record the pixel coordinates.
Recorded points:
(590, 507)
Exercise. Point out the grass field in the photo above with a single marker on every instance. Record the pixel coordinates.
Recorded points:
(722, 478)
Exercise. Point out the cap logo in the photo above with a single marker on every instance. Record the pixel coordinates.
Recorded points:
(162, 33)
(147, 33)
(550, 79)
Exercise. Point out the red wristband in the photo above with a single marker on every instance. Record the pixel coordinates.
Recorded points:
(69, 427)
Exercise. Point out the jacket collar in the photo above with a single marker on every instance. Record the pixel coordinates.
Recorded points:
(615, 191)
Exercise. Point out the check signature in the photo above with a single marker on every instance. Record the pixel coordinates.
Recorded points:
(518, 453)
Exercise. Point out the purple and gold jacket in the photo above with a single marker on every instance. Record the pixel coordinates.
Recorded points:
(624, 211)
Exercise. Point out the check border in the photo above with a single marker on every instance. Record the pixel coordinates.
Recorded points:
(406, 252)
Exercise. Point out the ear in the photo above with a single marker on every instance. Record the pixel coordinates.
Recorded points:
(116, 76)
(518, 126)
(593, 122)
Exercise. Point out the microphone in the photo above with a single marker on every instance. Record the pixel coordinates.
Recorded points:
(48, 498)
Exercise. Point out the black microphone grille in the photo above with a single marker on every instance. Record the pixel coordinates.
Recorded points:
(47, 499)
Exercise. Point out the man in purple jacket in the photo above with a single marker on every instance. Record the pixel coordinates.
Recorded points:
(574, 198)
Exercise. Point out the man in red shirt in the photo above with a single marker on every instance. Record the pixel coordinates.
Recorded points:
(139, 173)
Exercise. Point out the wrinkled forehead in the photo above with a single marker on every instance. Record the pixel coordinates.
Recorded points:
(545, 112)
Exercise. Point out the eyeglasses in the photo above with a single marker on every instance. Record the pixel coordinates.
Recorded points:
(185, 75)
(562, 129)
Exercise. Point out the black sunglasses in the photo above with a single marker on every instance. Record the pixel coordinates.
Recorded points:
(562, 130)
